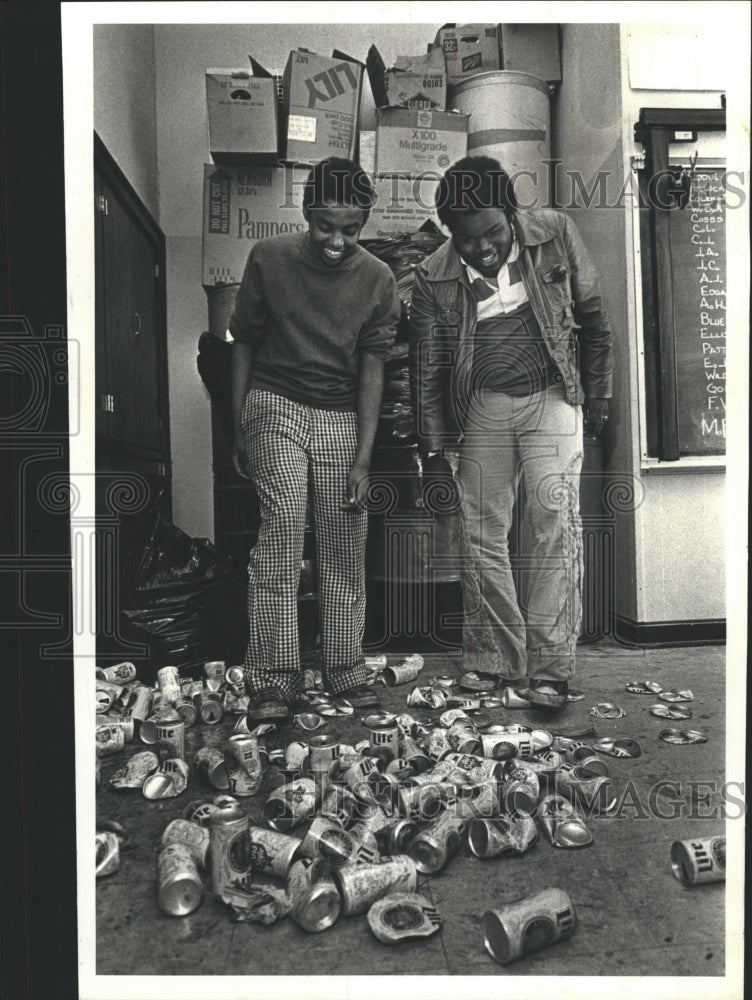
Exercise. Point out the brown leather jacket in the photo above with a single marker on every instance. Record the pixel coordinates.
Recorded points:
(564, 291)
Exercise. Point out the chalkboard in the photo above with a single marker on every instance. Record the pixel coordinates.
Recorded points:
(697, 241)
(698, 252)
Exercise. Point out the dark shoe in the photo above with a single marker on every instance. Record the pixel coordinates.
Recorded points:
(543, 693)
(267, 706)
(360, 696)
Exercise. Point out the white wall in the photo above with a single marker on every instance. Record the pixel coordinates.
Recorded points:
(183, 53)
(125, 106)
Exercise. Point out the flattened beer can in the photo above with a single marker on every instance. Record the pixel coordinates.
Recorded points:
(120, 673)
(362, 885)
(171, 736)
(243, 763)
(696, 861)
(180, 888)
(230, 849)
(528, 925)
(432, 847)
(191, 835)
(210, 764)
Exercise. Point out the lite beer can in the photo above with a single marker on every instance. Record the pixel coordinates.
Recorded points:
(696, 861)
(528, 925)
(230, 849)
(403, 672)
(170, 780)
(504, 746)
(322, 753)
(291, 804)
(210, 764)
(243, 762)
(492, 838)
(171, 737)
(190, 835)
(362, 885)
(272, 853)
(384, 740)
(432, 847)
(199, 812)
(120, 673)
(315, 899)
(180, 888)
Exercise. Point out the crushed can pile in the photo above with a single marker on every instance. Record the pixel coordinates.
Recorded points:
(319, 830)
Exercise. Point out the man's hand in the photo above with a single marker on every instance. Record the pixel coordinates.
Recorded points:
(596, 415)
(357, 487)
(440, 494)
(239, 460)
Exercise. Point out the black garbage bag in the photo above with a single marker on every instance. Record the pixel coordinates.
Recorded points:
(190, 604)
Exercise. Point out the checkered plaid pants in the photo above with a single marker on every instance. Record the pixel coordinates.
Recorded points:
(286, 443)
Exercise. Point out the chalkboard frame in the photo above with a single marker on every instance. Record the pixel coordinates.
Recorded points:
(655, 129)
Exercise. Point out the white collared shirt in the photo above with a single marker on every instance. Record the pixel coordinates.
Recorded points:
(507, 297)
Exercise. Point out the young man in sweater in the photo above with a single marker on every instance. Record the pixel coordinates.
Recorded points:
(314, 317)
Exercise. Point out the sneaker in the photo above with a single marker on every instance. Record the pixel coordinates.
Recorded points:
(360, 696)
(267, 706)
(544, 693)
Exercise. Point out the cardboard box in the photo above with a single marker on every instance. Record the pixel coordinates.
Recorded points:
(242, 108)
(413, 142)
(532, 48)
(413, 82)
(242, 205)
(469, 49)
(321, 106)
(402, 205)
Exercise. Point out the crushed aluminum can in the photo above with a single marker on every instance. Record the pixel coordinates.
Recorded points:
(210, 709)
(675, 712)
(682, 737)
(109, 740)
(170, 736)
(520, 792)
(591, 767)
(180, 888)
(215, 670)
(401, 834)
(437, 745)
(190, 835)
(168, 681)
(297, 757)
(291, 804)
(432, 847)
(187, 712)
(505, 746)
(501, 835)
(476, 767)
(308, 721)
(592, 794)
(421, 802)
(464, 702)
(417, 760)
(542, 739)
(136, 771)
(225, 801)
(563, 824)
(427, 697)
(235, 678)
(273, 853)
(643, 687)
(512, 698)
(230, 849)
(315, 899)
(245, 774)
(199, 811)
(120, 673)
(528, 925)
(477, 800)
(384, 740)
(403, 672)
(362, 885)
(124, 722)
(107, 857)
(401, 916)
(697, 861)
(210, 764)
(547, 761)
(399, 768)
(376, 661)
(384, 790)
(170, 780)
(339, 804)
(356, 777)
(105, 694)
(619, 746)
(236, 704)
(575, 751)
(674, 696)
(463, 740)
(327, 840)
(605, 710)
(138, 705)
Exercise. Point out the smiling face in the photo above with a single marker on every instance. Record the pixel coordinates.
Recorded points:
(483, 239)
(334, 230)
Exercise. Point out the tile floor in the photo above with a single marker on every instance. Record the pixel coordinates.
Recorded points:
(634, 916)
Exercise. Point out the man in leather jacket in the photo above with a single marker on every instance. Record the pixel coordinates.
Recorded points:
(510, 343)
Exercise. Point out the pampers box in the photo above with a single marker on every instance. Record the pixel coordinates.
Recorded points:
(243, 205)
(414, 142)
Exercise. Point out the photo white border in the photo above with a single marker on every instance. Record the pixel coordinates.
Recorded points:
(77, 20)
